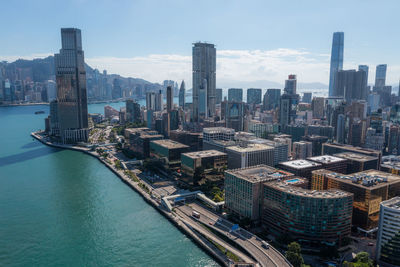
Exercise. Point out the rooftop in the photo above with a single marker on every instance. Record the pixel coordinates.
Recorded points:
(353, 148)
(326, 159)
(212, 130)
(259, 173)
(300, 164)
(204, 154)
(367, 179)
(393, 203)
(392, 162)
(168, 143)
(285, 187)
(249, 148)
(355, 156)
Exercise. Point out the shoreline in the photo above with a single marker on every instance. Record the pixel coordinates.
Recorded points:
(198, 240)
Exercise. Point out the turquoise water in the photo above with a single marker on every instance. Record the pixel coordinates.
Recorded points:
(64, 208)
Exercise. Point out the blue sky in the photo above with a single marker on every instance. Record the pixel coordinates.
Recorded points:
(256, 40)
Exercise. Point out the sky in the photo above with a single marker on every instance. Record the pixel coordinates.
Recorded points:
(258, 42)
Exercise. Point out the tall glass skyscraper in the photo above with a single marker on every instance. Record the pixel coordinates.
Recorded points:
(204, 68)
(182, 91)
(380, 76)
(71, 88)
(336, 58)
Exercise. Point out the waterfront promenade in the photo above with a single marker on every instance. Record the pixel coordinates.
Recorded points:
(251, 252)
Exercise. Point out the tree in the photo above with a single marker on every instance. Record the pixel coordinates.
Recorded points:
(361, 260)
(293, 254)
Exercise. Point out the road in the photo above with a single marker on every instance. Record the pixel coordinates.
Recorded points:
(251, 243)
(190, 221)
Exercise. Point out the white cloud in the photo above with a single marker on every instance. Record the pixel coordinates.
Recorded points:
(232, 65)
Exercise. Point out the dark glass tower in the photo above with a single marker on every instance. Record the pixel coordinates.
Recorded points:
(71, 88)
(336, 59)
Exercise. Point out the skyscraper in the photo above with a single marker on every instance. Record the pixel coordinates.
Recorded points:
(151, 101)
(336, 59)
(71, 88)
(271, 99)
(182, 90)
(218, 96)
(204, 67)
(133, 113)
(254, 96)
(289, 101)
(235, 94)
(380, 75)
(170, 98)
(291, 85)
(350, 84)
(366, 69)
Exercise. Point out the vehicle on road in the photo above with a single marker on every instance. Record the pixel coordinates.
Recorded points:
(370, 244)
(196, 214)
(265, 245)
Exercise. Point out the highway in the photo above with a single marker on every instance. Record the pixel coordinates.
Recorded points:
(190, 221)
(251, 243)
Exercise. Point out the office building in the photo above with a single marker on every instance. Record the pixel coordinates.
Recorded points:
(335, 148)
(263, 129)
(306, 98)
(218, 96)
(234, 115)
(202, 111)
(364, 68)
(318, 107)
(170, 99)
(271, 99)
(249, 155)
(370, 188)
(254, 96)
(71, 88)
(380, 76)
(388, 241)
(358, 162)
(243, 189)
(139, 140)
(133, 113)
(218, 133)
(336, 59)
(116, 89)
(391, 164)
(302, 150)
(321, 130)
(313, 217)
(199, 164)
(54, 123)
(51, 90)
(204, 68)
(301, 167)
(235, 94)
(169, 151)
(331, 163)
(316, 142)
(289, 101)
(191, 139)
(350, 84)
(182, 95)
(151, 101)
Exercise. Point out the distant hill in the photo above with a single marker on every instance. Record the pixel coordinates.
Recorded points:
(42, 69)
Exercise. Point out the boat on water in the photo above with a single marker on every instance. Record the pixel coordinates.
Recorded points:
(39, 112)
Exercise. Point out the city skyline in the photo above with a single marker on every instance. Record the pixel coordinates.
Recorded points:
(243, 57)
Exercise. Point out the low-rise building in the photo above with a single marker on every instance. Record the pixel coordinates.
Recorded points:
(191, 139)
(312, 217)
(243, 189)
(369, 187)
(359, 162)
(391, 164)
(194, 165)
(335, 148)
(331, 163)
(168, 150)
(388, 242)
(301, 167)
(242, 156)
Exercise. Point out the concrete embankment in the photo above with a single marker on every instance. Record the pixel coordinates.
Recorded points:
(200, 241)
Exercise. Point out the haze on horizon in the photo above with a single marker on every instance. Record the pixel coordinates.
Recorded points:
(258, 42)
